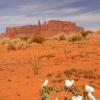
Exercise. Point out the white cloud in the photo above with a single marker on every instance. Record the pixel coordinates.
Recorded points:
(87, 17)
(63, 10)
(20, 20)
(31, 7)
(44, 6)
(24, 8)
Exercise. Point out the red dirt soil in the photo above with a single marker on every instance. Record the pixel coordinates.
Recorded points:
(18, 81)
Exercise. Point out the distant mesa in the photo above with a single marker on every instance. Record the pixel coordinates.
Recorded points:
(49, 28)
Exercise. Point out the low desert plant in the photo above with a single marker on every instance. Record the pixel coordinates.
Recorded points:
(66, 51)
(8, 43)
(21, 44)
(45, 91)
(14, 44)
(69, 88)
(25, 38)
(4, 41)
(62, 37)
(35, 65)
(74, 37)
(30, 40)
(86, 33)
(10, 46)
(38, 39)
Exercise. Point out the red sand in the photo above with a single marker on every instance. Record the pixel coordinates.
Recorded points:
(17, 79)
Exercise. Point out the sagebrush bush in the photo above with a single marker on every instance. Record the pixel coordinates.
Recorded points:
(38, 39)
(7, 42)
(74, 37)
(25, 38)
(30, 40)
(21, 45)
(86, 33)
(62, 37)
(3, 41)
(20, 42)
(10, 46)
(14, 44)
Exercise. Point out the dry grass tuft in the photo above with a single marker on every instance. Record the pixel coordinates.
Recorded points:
(10, 46)
(37, 39)
(62, 37)
(87, 33)
(20, 42)
(35, 65)
(74, 37)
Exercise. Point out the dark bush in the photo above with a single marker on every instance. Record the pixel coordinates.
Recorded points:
(38, 39)
(62, 37)
(86, 33)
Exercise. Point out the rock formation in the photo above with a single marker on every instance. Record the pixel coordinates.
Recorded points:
(50, 28)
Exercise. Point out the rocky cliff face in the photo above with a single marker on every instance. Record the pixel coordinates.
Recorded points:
(50, 28)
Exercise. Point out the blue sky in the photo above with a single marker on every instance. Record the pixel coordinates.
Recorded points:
(85, 13)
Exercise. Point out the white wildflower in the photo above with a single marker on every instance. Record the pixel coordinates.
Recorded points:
(69, 83)
(89, 89)
(45, 83)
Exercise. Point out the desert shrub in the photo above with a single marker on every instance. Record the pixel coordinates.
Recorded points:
(30, 40)
(62, 37)
(3, 41)
(38, 39)
(74, 37)
(25, 38)
(10, 46)
(65, 51)
(7, 42)
(35, 65)
(86, 33)
(21, 45)
(55, 37)
(16, 40)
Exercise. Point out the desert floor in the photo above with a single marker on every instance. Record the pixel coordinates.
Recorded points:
(56, 61)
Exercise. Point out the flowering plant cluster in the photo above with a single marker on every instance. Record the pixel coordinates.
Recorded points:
(68, 88)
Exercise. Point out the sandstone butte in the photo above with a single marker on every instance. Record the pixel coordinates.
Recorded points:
(50, 28)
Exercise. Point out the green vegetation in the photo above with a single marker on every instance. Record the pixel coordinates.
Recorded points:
(45, 91)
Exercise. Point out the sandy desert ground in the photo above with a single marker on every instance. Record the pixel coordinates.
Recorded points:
(56, 61)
